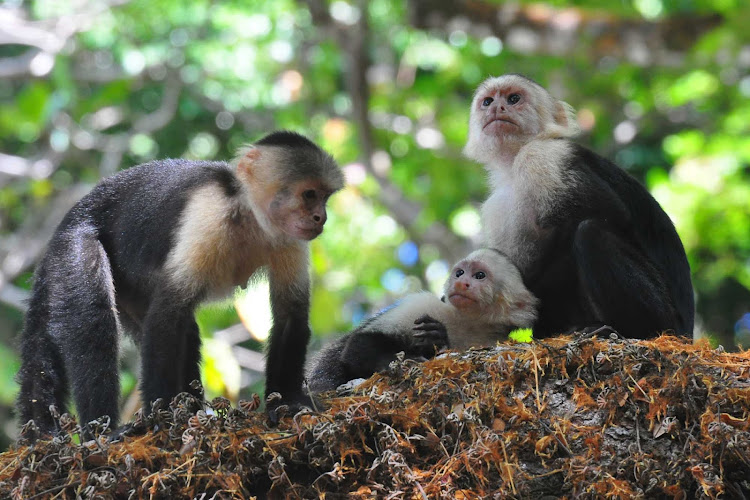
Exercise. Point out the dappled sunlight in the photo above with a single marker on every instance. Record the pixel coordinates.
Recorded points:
(253, 306)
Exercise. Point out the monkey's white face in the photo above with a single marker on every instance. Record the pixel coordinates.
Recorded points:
(470, 286)
(300, 210)
(509, 111)
(487, 286)
(282, 205)
(506, 110)
(503, 117)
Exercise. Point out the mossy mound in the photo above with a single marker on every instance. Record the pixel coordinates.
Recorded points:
(566, 417)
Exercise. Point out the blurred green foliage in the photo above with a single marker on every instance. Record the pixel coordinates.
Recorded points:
(164, 78)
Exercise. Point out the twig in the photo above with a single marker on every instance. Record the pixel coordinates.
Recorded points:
(536, 380)
(554, 435)
(458, 439)
(507, 468)
(55, 489)
(419, 486)
(638, 429)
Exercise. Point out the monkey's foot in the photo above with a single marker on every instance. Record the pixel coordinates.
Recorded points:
(124, 431)
(598, 330)
(278, 406)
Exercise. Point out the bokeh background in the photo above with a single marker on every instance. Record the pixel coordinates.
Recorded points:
(90, 87)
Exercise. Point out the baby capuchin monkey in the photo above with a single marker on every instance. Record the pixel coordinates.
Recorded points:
(146, 246)
(484, 300)
(591, 243)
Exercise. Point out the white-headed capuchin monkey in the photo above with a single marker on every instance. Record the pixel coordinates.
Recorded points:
(146, 246)
(485, 299)
(591, 243)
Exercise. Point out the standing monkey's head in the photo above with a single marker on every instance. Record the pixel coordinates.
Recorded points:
(289, 179)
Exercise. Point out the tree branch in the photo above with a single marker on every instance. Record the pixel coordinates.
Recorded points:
(354, 39)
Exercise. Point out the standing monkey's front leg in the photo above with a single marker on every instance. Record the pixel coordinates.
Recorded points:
(290, 306)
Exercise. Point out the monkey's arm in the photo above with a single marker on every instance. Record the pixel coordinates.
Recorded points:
(355, 355)
(369, 349)
(428, 337)
(366, 352)
(290, 306)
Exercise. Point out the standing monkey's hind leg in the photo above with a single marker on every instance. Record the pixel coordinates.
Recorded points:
(71, 332)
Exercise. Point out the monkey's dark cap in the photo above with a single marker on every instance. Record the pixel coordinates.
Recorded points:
(286, 138)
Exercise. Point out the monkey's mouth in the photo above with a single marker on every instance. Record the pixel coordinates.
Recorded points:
(498, 119)
(308, 232)
(461, 300)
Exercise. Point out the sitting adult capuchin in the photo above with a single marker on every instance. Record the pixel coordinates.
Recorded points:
(590, 241)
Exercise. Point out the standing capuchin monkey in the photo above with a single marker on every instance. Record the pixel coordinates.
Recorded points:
(486, 300)
(590, 241)
(146, 246)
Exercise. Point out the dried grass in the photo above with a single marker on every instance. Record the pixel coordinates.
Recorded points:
(565, 417)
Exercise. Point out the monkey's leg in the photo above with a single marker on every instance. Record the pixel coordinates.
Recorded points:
(83, 321)
(42, 374)
(619, 283)
(164, 349)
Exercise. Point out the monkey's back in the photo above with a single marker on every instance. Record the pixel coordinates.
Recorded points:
(135, 214)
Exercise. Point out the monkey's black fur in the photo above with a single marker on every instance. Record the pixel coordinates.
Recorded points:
(286, 138)
(118, 233)
(367, 350)
(105, 269)
(609, 254)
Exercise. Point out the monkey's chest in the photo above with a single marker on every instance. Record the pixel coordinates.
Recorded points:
(216, 257)
(509, 224)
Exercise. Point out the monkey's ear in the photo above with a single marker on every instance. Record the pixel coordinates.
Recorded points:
(565, 121)
(526, 301)
(246, 161)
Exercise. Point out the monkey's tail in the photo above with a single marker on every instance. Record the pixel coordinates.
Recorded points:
(42, 375)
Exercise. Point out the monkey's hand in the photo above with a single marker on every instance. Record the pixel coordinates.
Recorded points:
(429, 336)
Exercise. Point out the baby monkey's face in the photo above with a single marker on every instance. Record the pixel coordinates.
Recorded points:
(470, 285)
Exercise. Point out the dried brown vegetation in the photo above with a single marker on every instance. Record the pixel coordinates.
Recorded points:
(566, 417)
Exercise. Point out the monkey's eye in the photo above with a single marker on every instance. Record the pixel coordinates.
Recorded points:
(487, 101)
(459, 273)
(309, 194)
(514, 98)
(480, 275)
